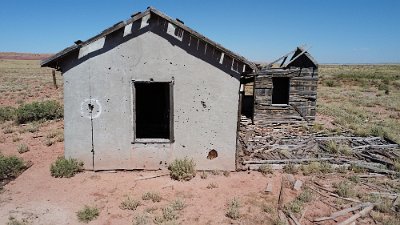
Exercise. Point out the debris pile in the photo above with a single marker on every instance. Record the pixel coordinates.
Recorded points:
(279, 144)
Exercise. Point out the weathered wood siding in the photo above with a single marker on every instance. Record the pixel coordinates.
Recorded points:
(302, 96)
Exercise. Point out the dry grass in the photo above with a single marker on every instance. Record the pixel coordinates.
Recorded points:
(153, 196)
(364, 99)
(25, 81)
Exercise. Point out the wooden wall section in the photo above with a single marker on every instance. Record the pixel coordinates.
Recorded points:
(302, 96)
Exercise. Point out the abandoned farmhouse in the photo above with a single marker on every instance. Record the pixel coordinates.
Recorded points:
(149, 90)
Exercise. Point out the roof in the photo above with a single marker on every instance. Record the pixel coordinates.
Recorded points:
(53, 60)
(300, 57)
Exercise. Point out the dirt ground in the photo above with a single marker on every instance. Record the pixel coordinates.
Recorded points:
(38, 198)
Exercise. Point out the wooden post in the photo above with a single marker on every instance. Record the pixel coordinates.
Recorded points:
(54, 79)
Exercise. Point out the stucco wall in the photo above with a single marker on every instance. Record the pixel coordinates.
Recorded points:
(105, 80)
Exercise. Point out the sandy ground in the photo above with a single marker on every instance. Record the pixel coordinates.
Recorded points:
(38, 198)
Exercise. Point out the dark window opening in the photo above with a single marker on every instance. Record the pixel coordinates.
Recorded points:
(152, 108)
(280, 91)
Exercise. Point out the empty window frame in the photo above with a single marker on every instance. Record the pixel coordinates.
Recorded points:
(153, 111)
(280, 91)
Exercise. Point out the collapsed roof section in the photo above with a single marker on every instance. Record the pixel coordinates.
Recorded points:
(297, 58)
(55, 60)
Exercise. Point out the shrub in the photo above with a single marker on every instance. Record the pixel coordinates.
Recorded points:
(153, 196)
(66, 167)
(332, 147)
(345, 149)
(267, 208)
(378, 131)
(32, 128)
(326, 167)
(356, 168)
(312, 168)
(265, 169)
(47, 110)
(212, 186)
(48, 142)
(169, 214)
(344, 189)
(384, 205)
(355, 179)
(13, 221)
(226, 173)
(178, 205)
(7, 113)
(8, 130)
(278, 221)
(10, 166)
(87, 214)
(22, 148)
(16, 139)
(182, 169)
(141, 220)
(233, 209)
(215, 172)
(294, 206)
(396, 165)
(305, 196)
(290, 168)
(330, 83)
(342, 169)
(129, 204)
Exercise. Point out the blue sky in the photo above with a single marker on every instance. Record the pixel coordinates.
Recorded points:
(338, 31)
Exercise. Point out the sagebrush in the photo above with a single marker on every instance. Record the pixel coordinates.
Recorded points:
(87, 214)
(36, 111)
(182, 169)
(10, 166)
(66, 167)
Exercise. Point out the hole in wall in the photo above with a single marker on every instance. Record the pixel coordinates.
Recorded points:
(212, 154)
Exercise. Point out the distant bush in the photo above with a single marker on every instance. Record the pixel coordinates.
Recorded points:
(265, 169)
(47, 110)
(66, 167)
(87, 214)
(344, 189)
(7, 113)
(10, 166)
(233, 211)
(290, 168)
(153, 196)
(129, 204)
(182, 169)
(330, 83)
(22, 148)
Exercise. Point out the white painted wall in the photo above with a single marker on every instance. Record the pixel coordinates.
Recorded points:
(106, 79)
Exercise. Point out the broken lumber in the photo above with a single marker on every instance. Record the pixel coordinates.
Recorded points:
(353, 218)
(291, 216)
(342, 212)
(280, 198)
(375, 169)
(286, 161)
(151, 177)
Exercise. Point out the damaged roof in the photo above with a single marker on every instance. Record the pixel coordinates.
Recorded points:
(299, 58)
(54, 60)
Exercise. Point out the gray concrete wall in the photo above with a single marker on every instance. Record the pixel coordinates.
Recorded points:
(105, 80)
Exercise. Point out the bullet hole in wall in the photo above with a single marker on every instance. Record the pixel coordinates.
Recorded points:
(212, 154)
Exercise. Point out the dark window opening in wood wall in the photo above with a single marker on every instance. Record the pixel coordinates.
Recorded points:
(280, 91)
